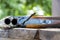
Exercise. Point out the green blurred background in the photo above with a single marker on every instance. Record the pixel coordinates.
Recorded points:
(21, 7)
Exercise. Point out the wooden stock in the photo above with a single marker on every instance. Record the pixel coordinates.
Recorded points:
(43, 25)
(34, 26)
(51, 18)
(55, 25)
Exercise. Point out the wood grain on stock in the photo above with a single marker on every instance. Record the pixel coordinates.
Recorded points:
(39, 17)
(43, 26)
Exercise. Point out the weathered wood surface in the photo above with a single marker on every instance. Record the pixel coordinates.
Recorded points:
(50, 34)
(28, 34)
(11, 39)
(18, 33)
(22, 33)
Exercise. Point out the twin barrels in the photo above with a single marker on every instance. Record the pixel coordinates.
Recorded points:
(8, 21)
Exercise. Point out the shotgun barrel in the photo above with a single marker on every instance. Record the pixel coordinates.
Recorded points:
(53, 25)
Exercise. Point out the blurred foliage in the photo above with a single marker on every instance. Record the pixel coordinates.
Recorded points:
(20, 7)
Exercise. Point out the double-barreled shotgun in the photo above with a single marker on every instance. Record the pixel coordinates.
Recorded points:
(57, 25)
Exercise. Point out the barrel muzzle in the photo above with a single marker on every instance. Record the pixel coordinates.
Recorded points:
(7, 21)
(14, 21)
